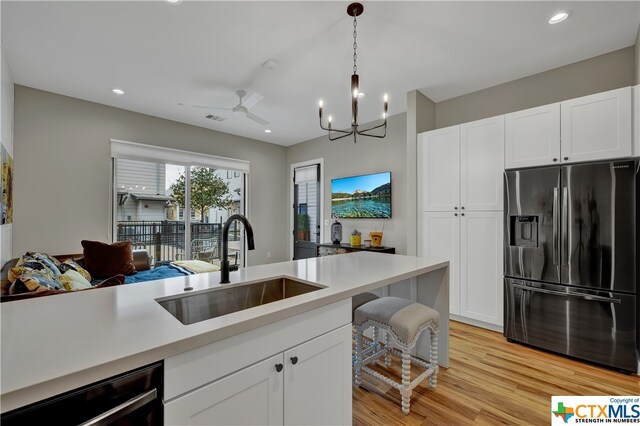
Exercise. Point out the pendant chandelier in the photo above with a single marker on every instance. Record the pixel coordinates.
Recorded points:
(355, 10)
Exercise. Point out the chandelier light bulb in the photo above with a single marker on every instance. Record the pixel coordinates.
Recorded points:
(320, 103)
(355, 93)
(386, 97)
(330, 119)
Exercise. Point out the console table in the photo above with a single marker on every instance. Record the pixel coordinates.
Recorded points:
(327, 249)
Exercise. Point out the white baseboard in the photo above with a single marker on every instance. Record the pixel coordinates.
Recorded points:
(481, 324)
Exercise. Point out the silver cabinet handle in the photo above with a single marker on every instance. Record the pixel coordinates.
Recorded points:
(565, 226)
(123, 409)
(560, 293)
(554, 242)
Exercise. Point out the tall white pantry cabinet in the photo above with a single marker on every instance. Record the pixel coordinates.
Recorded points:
(460, 191)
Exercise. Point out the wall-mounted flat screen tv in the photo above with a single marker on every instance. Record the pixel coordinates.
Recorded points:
(362, 197)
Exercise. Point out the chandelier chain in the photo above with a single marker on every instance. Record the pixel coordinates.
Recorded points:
(355, 44)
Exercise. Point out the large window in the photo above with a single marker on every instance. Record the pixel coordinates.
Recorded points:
(176, 211)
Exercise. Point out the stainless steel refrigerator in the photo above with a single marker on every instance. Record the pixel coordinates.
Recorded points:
(571, 265)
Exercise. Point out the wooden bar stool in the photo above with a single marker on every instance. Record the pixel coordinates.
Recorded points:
(404, 321)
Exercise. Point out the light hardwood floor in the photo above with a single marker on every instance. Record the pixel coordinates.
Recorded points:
(489, 382)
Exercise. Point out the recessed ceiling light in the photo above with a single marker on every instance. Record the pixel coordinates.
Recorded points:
(267, 130)
(559, 17)
(118, 91)
(174, 1)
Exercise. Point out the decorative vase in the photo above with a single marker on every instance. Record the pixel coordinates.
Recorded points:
(336, 232)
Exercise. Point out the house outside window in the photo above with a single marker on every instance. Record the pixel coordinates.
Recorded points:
(149, 208)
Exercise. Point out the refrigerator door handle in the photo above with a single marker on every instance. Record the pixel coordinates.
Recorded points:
(560, 293)
(554, 214)
(565, 227)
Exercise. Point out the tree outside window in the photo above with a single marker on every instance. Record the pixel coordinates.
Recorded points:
(207, 191)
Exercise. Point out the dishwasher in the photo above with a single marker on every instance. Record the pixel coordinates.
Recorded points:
(131, 398)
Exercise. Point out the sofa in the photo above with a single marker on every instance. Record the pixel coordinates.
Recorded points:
(141, 261)
(138, 270)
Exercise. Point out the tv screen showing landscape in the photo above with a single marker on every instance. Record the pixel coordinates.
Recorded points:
(362, 197)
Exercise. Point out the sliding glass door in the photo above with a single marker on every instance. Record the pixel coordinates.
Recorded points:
(176, 212)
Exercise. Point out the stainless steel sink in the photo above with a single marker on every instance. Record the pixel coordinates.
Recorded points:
(196, 307)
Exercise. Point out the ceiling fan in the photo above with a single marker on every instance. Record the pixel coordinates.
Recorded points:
(243, 106)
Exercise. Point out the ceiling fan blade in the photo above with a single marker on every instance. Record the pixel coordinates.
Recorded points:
(211, 107)
(251, 100)
(257, 119)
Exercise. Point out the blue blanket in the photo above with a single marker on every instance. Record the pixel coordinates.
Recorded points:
(158, 273)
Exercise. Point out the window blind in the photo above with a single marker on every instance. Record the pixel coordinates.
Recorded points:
(142, 152)
(306, 174)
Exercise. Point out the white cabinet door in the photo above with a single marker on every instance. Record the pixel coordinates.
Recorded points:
(317, 377)
(441, 240)
(481, 266)
(482, 164)
(532, 137)
(440, 163)
(253, 396)
(597, 127)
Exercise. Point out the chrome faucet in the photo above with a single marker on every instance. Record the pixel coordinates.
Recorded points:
(224, 264)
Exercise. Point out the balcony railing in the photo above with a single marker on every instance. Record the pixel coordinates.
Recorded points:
(165, 242)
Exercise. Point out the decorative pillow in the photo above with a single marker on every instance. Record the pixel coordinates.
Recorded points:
(41, 291)
(26, 265)
(105, 260)
(72, 280)
(197, 266)
(70, 265)
(34, 281)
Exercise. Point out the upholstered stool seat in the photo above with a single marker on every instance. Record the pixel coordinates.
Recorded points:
(404, 321)
(359, 300)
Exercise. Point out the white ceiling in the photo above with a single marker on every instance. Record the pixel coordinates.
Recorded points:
(200, 52)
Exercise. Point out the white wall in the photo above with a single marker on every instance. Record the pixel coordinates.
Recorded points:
(62, 172)
(6, 138)
(344, 158)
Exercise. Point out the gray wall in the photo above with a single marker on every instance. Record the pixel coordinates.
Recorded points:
(344, 158)
(62, 157)
(638, 57)
(601, 73)
(6, 137)
(421, 116)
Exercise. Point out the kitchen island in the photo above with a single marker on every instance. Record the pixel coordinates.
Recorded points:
(53, 344)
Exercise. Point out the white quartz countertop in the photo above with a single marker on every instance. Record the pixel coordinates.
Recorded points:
(57, 343)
